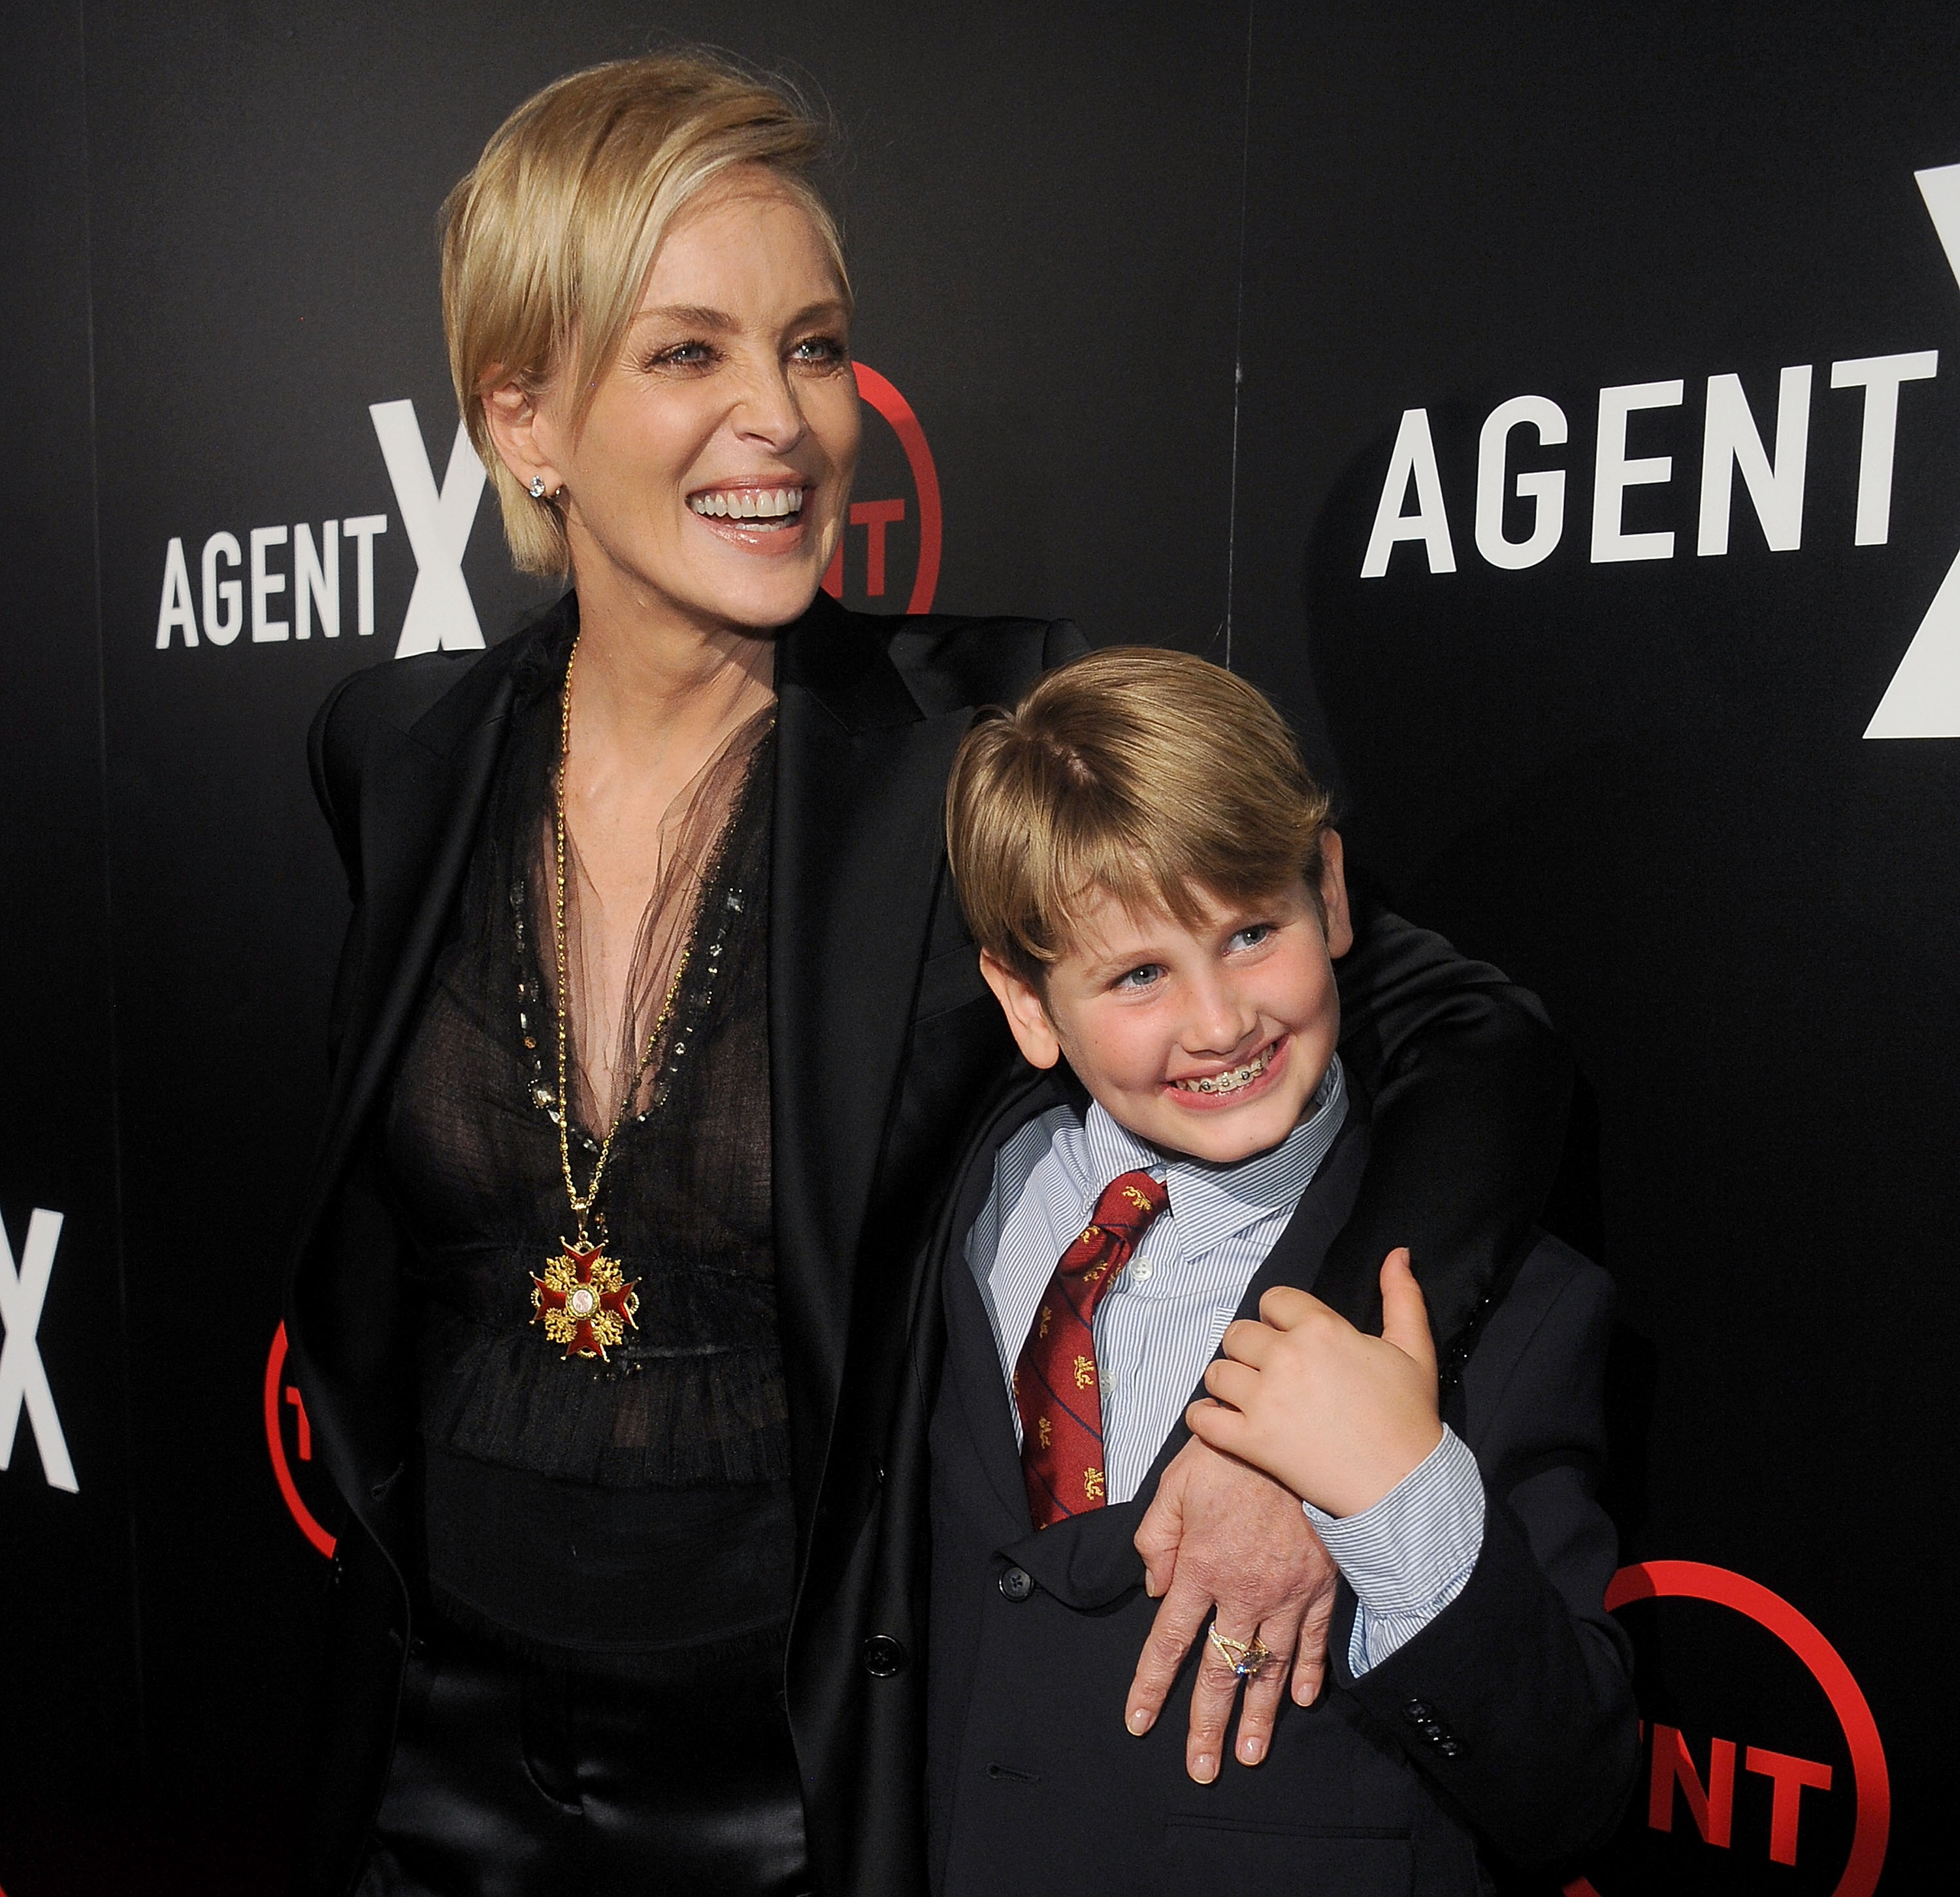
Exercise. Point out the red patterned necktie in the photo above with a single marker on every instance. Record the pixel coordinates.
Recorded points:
(1056, 1388)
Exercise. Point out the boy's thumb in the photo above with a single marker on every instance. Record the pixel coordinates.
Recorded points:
(1405, 1311)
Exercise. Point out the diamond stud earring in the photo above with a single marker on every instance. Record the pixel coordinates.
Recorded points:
(537, 488)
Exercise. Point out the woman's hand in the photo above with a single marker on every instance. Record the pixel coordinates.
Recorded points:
(1219, 1534)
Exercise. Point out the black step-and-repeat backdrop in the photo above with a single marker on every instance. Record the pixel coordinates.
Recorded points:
(1557, 408)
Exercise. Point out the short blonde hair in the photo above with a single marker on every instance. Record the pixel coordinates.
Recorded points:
(1150, 775)
(547, 243)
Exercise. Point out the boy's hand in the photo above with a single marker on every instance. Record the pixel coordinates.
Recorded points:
(1219, 1534)
(1338, 1416)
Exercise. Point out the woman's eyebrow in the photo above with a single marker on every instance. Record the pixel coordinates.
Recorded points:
(695, 316)
(826, 309)
(689, 316)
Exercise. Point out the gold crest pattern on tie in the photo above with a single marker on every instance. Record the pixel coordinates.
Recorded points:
(1058, 1390)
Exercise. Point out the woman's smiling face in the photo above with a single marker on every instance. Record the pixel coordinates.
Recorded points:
(710, 477)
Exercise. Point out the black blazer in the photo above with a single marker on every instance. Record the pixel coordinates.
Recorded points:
(1509, 1719)
(872, 974)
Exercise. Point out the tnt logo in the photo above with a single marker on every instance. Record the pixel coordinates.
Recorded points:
(886, 539)
(1712, 1806)
(1768, 1762)
(289, 1439)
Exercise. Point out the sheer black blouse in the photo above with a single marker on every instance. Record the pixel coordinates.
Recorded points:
(634, 1514)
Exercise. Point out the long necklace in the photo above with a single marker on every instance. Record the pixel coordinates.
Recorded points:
(583, 1300)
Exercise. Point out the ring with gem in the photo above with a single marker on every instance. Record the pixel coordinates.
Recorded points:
(1244, 1657)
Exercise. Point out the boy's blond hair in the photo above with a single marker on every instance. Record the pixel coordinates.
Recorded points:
(1152, 775)
(547, 243)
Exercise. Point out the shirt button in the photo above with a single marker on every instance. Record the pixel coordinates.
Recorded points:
(1141, 1273)
(883, 1657)
(1017, 1583)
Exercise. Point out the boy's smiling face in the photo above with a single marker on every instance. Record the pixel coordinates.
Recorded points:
(1207, 1041)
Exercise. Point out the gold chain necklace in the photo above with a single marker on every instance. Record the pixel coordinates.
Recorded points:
(583, 1300)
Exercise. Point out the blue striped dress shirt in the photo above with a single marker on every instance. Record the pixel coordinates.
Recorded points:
(1159, 1325)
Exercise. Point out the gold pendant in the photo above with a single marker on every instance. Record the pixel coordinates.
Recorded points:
(582, 1301)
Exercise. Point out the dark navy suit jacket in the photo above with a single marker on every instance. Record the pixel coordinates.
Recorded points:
(1505, 1730)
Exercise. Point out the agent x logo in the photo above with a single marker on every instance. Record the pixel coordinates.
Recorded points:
(441, 616)
(1924, 698)
(24, 1381)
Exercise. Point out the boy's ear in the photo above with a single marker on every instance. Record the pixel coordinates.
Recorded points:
(1333, 895)
(1027, 1014)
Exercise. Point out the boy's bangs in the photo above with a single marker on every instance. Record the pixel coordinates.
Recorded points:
(1154, 863)
(1148, 775)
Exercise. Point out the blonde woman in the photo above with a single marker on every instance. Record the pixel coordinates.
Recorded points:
(656, 1021)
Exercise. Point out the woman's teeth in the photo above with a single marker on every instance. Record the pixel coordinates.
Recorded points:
(748, 504)
(1232, 1079)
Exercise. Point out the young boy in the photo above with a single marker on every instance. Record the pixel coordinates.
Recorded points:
(1159, 899)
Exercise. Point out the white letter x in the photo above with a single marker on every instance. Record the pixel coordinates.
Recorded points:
(440, 617)
(22, 1379)
(1924, 698)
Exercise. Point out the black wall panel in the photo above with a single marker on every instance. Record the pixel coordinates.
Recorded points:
(1162, 289)
(68, 1600)
(1642, 786)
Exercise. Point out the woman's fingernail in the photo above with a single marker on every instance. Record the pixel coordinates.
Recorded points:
(1251, 1751)
(1140, 1720)
(1205, 1768)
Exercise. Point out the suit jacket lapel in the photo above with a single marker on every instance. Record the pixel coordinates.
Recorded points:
(973, 1359)
(860, 774)
(423, 792)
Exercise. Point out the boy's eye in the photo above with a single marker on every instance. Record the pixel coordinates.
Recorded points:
(1251, 938)
(1139, 978)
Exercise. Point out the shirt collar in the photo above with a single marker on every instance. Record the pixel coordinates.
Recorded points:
(1211, 1202)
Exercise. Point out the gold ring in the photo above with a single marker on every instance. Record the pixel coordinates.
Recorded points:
(1244, 1657)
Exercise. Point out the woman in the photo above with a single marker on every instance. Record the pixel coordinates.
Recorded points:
(655, 1019)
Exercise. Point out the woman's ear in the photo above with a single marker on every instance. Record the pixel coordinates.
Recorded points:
(1333, 895)
(521, 434)
(1026, 1012)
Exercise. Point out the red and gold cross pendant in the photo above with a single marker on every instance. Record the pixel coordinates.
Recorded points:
(584, 1301)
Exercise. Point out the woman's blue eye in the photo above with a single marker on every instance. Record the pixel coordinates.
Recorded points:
(820, 348)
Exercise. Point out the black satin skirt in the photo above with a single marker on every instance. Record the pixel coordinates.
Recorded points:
(516, 1777)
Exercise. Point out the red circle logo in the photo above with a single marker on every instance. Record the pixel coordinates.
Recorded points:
(887, 526)
(1695, 1580)
(280, 1397)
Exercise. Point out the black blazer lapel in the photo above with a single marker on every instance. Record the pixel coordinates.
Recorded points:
(973, 1356)
(1299, 1251)
(423, 790)
(860, 775)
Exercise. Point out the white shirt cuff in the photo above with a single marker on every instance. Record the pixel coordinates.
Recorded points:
(1411, 1554)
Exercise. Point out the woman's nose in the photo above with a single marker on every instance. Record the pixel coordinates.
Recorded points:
(767, 412)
